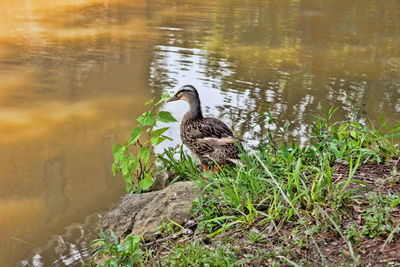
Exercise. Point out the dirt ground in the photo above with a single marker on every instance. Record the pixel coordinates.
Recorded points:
(292, 245)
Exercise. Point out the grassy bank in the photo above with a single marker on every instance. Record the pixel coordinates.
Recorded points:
(335, 201)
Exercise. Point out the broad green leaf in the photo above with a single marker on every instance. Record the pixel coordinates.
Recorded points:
(158, 140)
(154, 140)
(166, 116)
(147, 119)
(118, 151)
(135, 134)
(125, 166)
(114, 168)
(159, 132)
(144, 154)
(135, 164)
(342, 127)
(355, 124)
(146, 182)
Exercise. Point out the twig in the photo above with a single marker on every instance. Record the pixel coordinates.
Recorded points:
(162, 240)
(289, 261)
(156, 241)
(337, 179)
(397, 161)
(390, 237)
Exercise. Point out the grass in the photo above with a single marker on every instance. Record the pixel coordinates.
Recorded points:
(196, 253)
(291, 204)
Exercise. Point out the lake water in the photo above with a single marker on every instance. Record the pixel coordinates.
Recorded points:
(74, 75)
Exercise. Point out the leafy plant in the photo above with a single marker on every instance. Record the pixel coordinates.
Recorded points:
(115, 253)
(196, 254)
(134, 158)
(378, 219)
(349, 139)
(353, 234)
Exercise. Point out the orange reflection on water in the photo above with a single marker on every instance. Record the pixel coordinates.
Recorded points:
(63, 104)
(39, 19)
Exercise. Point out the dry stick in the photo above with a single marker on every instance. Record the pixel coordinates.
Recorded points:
(337, 179)
(161, 240)
(390, 236)
(397, 161)
(293, 207)
(289, 261)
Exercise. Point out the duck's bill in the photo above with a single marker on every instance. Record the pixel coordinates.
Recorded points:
(174, 98)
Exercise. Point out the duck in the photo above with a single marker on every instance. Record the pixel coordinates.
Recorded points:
(209, 139)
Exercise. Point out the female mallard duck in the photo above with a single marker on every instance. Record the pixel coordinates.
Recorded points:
(205, 137)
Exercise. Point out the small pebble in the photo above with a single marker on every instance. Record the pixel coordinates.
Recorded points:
(190, 224)
(187, 232)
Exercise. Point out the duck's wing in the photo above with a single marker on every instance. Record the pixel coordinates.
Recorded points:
(196, 133)
(211, 127)
(212, 141)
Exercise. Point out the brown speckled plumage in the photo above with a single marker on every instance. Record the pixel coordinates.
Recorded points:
(205, 137)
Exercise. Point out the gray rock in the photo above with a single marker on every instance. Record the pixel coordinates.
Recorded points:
(187, 232)
(140, 214)
(190, 224)
(162, 180)
(254, 230)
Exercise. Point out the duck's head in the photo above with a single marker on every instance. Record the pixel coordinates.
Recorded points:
(187, 93)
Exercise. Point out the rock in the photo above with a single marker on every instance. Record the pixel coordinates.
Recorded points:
(255, 231)
(190, 224)
(187, 232)
(140, 214)
(162, 180)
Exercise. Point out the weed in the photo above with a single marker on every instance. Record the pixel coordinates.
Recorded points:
(256, 236)
(394, 176)
(353, 233)
(197, 254)
(346, 140)
(378, 220)
(134, 158)
(165, 228)
(115, 253)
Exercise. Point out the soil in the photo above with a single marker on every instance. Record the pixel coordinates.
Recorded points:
(292, 244)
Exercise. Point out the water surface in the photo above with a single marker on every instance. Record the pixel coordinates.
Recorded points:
(74, 76)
